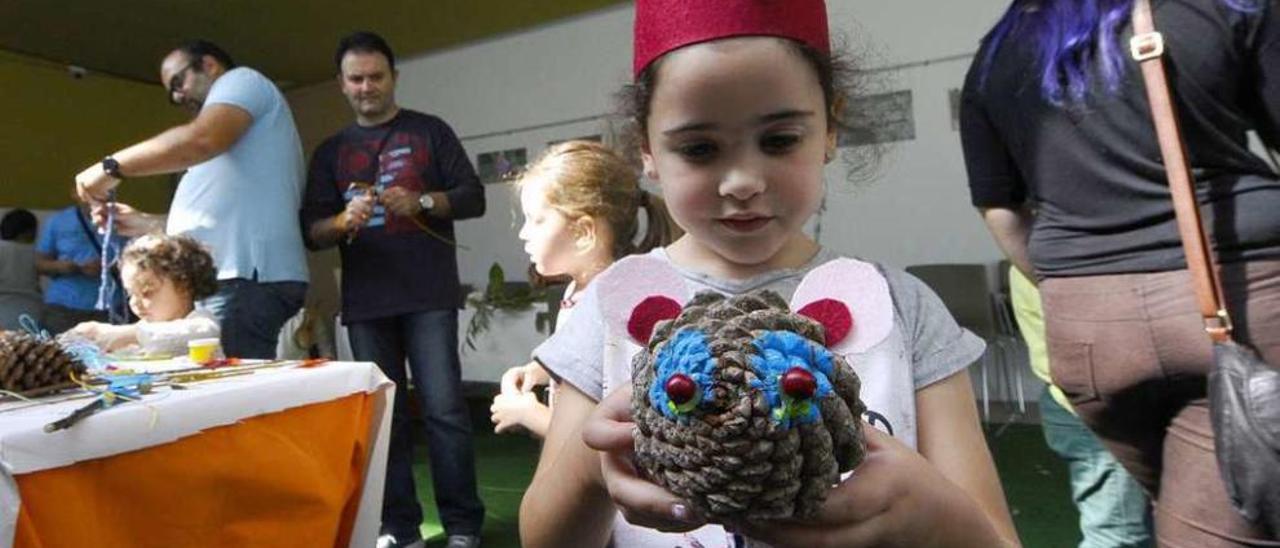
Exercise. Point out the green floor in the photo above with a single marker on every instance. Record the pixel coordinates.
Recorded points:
(1035, 482)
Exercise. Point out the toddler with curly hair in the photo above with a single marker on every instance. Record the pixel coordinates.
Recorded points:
(164, 276)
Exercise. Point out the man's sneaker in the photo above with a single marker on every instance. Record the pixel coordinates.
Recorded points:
(389, 541)
(462, 541)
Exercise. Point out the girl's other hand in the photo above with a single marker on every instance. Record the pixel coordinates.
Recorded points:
(610, 431)
(508, 411)
(894, 498)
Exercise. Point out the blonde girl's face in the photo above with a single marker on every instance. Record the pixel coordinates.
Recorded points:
(154, 298)
(737, 136)
(548, 235)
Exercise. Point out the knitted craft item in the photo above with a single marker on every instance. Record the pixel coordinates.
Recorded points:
(741, 409)
(28, 364)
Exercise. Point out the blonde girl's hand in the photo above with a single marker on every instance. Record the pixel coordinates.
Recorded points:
(609, 430)
(894, 498)
(508, 411)
(523, 379)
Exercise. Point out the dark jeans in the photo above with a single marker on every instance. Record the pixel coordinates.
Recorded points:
(251, 313)
(1132, 354)
(429, 340)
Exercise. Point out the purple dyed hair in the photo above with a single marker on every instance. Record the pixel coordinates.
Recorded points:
(1073, 37)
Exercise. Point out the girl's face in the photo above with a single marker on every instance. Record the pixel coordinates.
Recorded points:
(154, 298)
(548, 234)
(737, 135)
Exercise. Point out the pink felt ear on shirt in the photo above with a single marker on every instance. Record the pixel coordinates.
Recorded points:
(647, 314)
(637, 292)
(851, 300)
(834, 316)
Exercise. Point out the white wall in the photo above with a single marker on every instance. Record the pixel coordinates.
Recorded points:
(557, 81)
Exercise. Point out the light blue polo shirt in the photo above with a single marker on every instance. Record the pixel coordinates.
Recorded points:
(244, 202)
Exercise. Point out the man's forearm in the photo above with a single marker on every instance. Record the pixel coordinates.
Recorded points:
(215, 129)
(326, 232)
(54, 267)
(173, 150)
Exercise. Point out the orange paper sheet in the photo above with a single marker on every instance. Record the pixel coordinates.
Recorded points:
(291, 478)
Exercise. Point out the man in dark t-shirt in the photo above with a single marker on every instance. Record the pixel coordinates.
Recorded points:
(386, 191)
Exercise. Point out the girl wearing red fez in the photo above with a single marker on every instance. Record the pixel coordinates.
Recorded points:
(736, 105)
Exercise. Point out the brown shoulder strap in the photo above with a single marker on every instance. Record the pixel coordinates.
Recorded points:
(1147, 47)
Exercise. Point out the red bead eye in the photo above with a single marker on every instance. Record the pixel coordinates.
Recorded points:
(797, 382)
(681, 388)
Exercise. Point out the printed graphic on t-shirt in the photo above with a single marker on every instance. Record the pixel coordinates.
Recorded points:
(401, 163)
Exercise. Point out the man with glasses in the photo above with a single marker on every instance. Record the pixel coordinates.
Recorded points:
(240, 194)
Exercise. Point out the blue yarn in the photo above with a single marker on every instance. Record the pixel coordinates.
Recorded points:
(776, 353)
(685, 353)
(110, 254)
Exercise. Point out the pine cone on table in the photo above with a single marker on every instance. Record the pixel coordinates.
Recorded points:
(741, 410)
(28, 364)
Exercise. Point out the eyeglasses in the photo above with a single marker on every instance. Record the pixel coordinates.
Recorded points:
(176, 81)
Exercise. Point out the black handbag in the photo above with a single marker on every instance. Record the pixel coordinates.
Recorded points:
(1244, 391)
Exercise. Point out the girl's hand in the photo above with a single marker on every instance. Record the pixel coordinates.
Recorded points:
(509, 412)
(894, 498)
(88, 330)
(523, 379)
(609, 430)
(108, 337)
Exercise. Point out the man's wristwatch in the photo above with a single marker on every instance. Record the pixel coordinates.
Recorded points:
(112, 167)
(426, 201)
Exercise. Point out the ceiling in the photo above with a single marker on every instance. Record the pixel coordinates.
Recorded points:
(292, 41)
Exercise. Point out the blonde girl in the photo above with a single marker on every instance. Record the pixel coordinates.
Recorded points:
(581, 203)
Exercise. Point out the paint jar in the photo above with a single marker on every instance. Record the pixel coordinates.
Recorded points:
(202, 350)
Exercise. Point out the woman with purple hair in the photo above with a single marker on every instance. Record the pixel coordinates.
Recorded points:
(1064, 166)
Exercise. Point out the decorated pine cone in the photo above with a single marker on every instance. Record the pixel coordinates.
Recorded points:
(29, 364)
(742, 411)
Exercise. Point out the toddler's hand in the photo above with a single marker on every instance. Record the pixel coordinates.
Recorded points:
(643, 503)
(88, 330)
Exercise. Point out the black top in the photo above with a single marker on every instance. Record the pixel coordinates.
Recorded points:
(392, 266)
(1093, 170)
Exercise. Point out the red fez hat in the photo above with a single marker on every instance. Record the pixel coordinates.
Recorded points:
(665, 25)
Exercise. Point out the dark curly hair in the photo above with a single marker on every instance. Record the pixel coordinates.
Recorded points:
(179, 258)
(842, 85)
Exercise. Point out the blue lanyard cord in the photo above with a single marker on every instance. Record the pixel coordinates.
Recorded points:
(110, 253)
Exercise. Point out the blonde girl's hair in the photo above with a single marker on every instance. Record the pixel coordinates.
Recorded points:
(589, 179)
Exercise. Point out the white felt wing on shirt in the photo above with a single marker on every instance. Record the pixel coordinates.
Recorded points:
(864, 293)
(637, 292)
